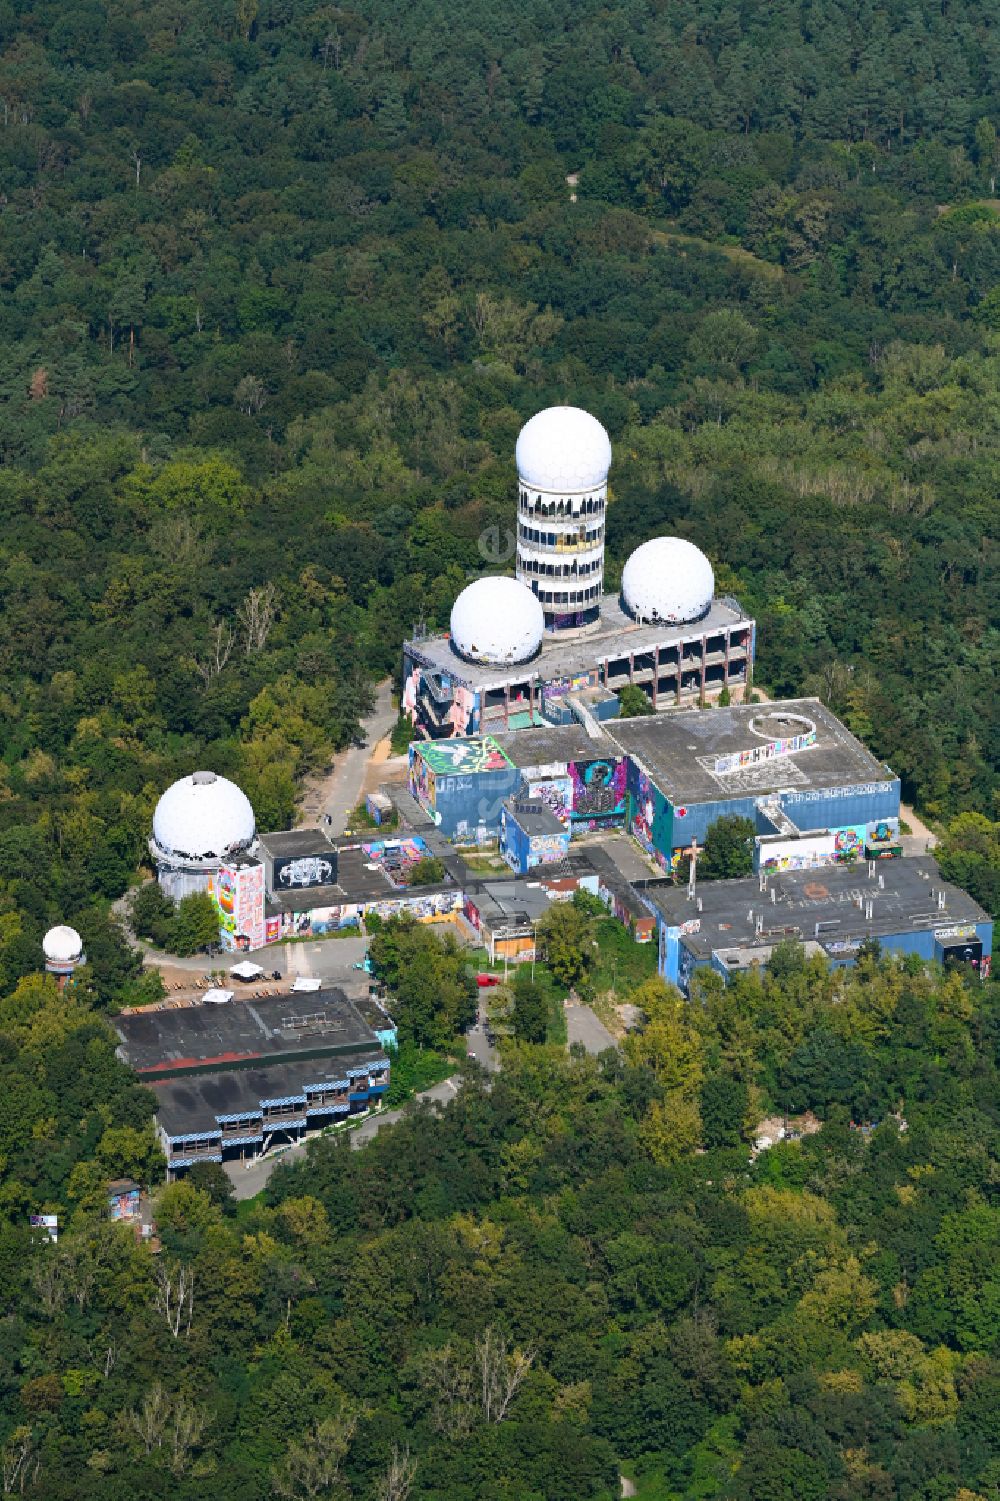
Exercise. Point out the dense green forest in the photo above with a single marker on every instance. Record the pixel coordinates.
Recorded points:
(280, 283)
(510, 1300)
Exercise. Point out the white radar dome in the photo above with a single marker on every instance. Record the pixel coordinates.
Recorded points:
(563, 450)
(669, 580)
(497, 620)
(203, 817)
(62, 945)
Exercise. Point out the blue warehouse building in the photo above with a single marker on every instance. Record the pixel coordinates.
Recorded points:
(231, 1081)
(791, 768)
(906, 905)
(531, 834)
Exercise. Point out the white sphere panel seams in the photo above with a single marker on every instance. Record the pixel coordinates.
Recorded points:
(200, 820)
(497, 620)
(669, 580)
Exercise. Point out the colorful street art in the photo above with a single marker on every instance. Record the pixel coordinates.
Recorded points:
(238, 893)
(437, 906)
(396, 857)
(848, 844)
(463, 757)
(556, 793)
(651, 821)
(767, 752)
(559, 687)
(830, 846)
(598, 792)
(643, 810)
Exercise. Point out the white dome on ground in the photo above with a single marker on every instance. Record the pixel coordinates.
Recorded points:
(667, 579)
(497, 620)
(564, 450)
(203, 817)
(62, 945)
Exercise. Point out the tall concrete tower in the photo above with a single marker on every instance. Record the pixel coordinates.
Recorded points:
(563, 458)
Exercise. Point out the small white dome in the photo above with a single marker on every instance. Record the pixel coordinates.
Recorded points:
(62, 945)
(669, 580)
(203, 817)
(563, 450)
(497, 620)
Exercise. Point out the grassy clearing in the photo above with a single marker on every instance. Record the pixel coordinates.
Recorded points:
(734, 253)
(622, 964)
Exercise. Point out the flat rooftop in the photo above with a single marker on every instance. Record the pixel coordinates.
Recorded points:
(295, 842)
(701, 755)
(551, 745)
(817, 905)
(534, 818)
(240, 1034)
(359, 879)
(617, 635)
(193, 1104)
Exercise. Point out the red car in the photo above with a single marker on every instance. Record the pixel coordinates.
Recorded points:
(484, 981)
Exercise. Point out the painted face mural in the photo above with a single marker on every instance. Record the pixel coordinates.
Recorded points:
(598, 790)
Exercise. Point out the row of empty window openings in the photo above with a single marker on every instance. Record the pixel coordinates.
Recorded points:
(561, 570)
(561, 541)
(538, 505)
(575, 598)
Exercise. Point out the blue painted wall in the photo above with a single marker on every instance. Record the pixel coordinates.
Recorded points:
(828, 811)
(835, 809)
(676, 963)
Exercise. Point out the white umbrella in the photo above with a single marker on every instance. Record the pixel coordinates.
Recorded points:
(245, 970)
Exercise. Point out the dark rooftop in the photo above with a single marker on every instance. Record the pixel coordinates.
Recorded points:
(193, 1104)
(373, 1015)
(551, 744)
(359, 879)
(818, 904)
(242, 1033)
(686, 753)
(534, 816)
(296, 842)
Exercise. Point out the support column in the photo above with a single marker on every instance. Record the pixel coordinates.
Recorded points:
(506, 706)
(631, 667)
(656, 673)
(728, 641)
(704, 667)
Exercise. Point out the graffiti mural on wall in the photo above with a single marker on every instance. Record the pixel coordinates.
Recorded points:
(431, 907)
(556, 793)
(642, 816)
(830, 846)
(396, 857)
(461, 716)
(238, 894)
(559, 687)
(545, 848)
(598, 791)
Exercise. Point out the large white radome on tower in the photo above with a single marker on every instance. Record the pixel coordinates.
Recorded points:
(203, 817)
(668, 580)
(497, 620)
(563, 450)
(62, 945)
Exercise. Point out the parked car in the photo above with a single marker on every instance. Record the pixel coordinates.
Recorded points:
(483, 980)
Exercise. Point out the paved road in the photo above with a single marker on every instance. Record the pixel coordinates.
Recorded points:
(248, 1179)
(582, 1025)
(477, 1044)
(340, 791)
